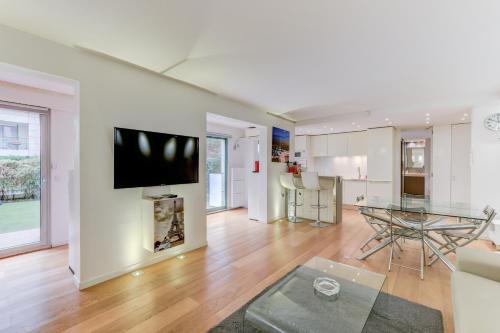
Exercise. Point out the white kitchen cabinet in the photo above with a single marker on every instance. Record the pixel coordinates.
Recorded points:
(451, 146)
(441, 163)
(380, 153)
(460, 163)
(352, 189)
(384, 163)
(380, 189)
(357, 143)
(300, 143)
(337, 144)
(319, 145)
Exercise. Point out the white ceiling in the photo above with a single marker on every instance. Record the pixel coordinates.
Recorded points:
(322, 59)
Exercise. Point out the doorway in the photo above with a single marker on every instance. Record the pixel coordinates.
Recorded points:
(415, 171)
(24, 149)
(216, 173)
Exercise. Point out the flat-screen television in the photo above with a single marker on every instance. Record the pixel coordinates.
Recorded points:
(143, 158)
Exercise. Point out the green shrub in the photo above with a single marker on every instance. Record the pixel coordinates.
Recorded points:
(19, 177)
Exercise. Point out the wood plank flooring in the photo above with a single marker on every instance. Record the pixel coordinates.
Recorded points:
(192, 295)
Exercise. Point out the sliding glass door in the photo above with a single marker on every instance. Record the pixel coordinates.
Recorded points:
(23, 179)
(216, 173)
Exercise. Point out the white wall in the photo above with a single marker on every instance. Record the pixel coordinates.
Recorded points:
(485, 166)
(115, 94)
(235, 155)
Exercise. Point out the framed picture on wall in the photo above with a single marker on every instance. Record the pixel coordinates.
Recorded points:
(169, 223)
(280, 145)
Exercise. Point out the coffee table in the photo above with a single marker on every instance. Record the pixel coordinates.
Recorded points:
(292, 305)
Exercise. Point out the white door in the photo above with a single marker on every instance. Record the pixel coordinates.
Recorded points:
(441, 163)
(24, 167)
(460, 163)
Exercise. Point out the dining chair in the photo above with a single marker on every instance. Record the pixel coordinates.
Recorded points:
(459, 235)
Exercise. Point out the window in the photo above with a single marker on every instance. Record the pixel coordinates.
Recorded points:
(216, 173)
(13, 136)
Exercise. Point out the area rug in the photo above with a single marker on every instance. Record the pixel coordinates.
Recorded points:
(390, 314)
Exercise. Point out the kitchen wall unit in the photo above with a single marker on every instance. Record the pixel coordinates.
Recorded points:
(384, 162)
(302, 144)
(376, 152)
(451, 163)
(319, 145)
(357, 143)
(337, 144)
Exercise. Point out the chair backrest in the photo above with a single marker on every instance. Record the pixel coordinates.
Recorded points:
(481, 227)
(310, 180)
(286, 180)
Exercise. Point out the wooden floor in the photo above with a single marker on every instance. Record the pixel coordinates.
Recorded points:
(192, 295)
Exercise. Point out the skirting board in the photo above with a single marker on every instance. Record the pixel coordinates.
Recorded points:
(108, 276)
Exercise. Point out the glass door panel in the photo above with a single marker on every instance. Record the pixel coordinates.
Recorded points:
(216, 173)
(22, 180)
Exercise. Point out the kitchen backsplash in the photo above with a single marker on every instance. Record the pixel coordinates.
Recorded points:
(346, 166)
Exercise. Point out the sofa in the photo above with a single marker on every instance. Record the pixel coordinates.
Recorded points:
(475, 287)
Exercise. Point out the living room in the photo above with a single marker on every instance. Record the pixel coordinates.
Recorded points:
(309, 151)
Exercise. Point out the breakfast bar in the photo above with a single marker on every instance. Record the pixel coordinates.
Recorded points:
(330, 197)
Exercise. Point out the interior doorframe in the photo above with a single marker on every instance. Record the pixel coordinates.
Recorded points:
(45, 227)
(226, 160)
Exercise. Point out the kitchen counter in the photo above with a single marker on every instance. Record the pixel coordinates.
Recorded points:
(414, 174)
(328, 198)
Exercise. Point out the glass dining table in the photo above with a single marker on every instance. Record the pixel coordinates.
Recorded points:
(422, 216)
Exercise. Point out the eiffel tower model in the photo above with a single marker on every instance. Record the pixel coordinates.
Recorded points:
(175, 232)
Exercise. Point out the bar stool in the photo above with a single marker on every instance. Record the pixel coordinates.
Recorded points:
(287, 181)
(310, 181)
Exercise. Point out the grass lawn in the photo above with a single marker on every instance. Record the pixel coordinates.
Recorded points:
(21, 215)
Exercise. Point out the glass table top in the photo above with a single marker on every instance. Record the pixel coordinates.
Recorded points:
(426, 206)
(292, 305)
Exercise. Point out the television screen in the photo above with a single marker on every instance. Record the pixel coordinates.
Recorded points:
(144, 158)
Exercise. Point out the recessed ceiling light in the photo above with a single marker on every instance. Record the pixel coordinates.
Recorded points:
(386, 119)
(466, 114)
(463, 119)
(331, 128)
(427, 114)
(427, 123)
(137, 273)
(359, 126)
(353, 123)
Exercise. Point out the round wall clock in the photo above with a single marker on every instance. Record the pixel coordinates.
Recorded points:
(492, 122)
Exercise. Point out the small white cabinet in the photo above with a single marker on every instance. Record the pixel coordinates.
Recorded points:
(238, 187)
(162, 223)
(319, 145)
(337, 144)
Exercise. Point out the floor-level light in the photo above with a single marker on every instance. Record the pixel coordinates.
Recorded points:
(137, 273)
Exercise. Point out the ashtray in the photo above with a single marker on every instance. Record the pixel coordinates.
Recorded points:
(326, 288)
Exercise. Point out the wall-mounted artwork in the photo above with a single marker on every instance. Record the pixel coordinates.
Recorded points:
(169, 223)
(280, 145)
